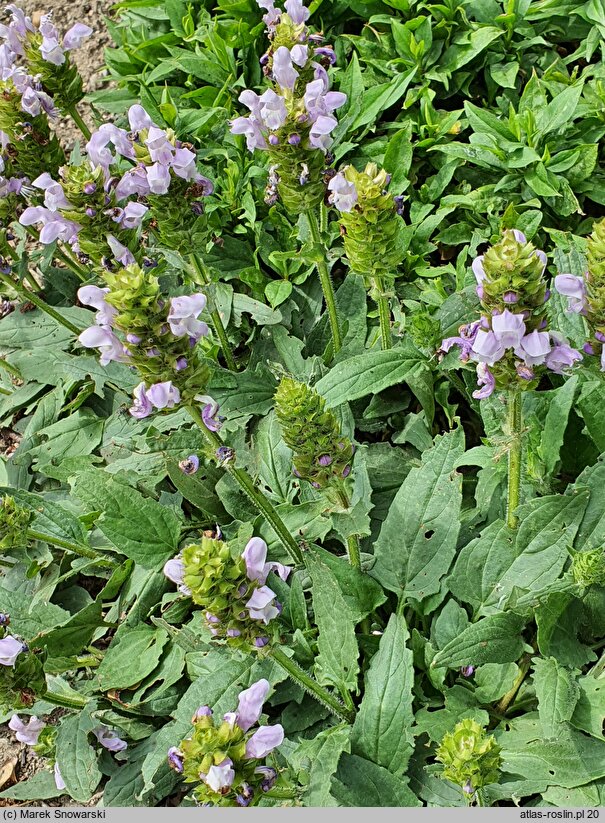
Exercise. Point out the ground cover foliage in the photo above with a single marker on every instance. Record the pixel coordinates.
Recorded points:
(301, 391)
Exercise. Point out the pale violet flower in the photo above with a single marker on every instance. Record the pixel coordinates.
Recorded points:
(59, 782)
(255, 556)
(138, 118)
(264, 741)
(533, 348)
(120, 252)
(250, 706)
(10, 649)
(261, 605)
(343, 195)
(574, 288)
(297, 11)
(164, 395)
(109, 739)
(75, 35)
(183, 314)
(486, 382)
(108, 344)
(141, 406)
(95, 297)
(220, 777)
(319, 136)
(174, 570)
(284, 72)
(26, 732)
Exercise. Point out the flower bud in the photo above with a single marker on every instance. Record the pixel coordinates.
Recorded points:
(470, 757)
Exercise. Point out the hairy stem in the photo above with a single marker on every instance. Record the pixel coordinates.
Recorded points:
(77, 118)
(310, 685)
(217, 322)
(65, 701)
(264, 506)
(384, 314)
(515, 423)
(502, 706)
(41, 304)
(326, 282)
(74, 548)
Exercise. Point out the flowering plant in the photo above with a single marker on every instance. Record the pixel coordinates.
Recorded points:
(302, 344)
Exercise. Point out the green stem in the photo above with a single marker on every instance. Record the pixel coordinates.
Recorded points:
(304, 679)
(77, 118)
(257, 498)
(353, 551)
(384, 314)
(64, 701)
(37, 301)
(502, 706)
(74, 548)
(326, 282)
(89, 661)
(64, 256)
(12, 370)
(515, 423)
(217, 322)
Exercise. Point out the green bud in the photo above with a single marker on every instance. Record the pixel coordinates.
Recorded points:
(514, 268)
(322, 455)
(373, 237)
(14, 521)
(178, 217)
(588, 568)
(299, 170)
(471, 758)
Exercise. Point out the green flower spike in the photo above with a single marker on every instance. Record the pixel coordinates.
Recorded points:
(14, 521)
(588, 568)
(471, 758)
(322, 455)
(371, 226)
(595, 282)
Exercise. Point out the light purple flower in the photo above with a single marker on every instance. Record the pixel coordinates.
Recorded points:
(297, 11)
(220, 777)
(108, 135)
(175, 759)
(133, 215)
(51, 51)
(264, 741)
(562, 356)
(478, 270)
(54, 196)
(534, 347)
(319, 101)
(164, 395)
(603, 359)
(574, 288)
(158, 178)
(319, 136)
(75, 35)
(255, 556)
(54, 226)
(487, 348)
(103, 339)
(250, 706)
(183, 165)
(189, 466)
(138, 118)
(141, 406)
(251, 129)
(95, 297)
(134, 181)
(284, 72)
(183, 314)
(174, 570)
(300, 55)
(272, 109)
(343, 194)
(109, 739)
(509, 328)
(59, 782)
(120, 252)
(10, 649)
(261, 607)
(26, 732)
(485, 379)
(209, 410)
(160, 148)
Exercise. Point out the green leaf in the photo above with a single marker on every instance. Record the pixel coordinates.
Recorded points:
(74, 635)
(361, 783)
(132, 655)
(318, 759)
(40, 786)
(77, 758)
(572, 759)
(589, 713)
(362, 594)
(398, 158)
(490, 567)
(73, 436)
(138, 527)
(29, 624)
(336, 664)
(278, 291)
(458, 55)
(493, 639)
(382, 728)
(418, 539)
(559, 407)
(494, 680)
(559, 619)
(561, 109)
(370, 373)
(379, 98)
(557, 693)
